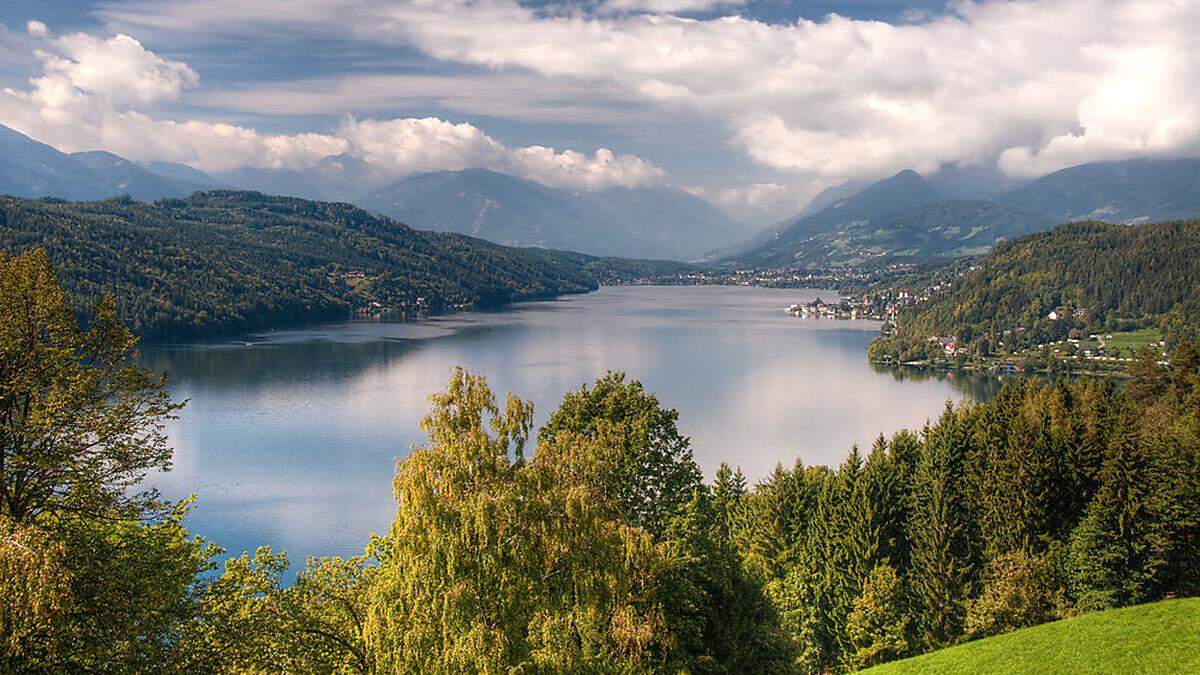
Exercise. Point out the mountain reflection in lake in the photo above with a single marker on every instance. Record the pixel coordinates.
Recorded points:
(292, 440)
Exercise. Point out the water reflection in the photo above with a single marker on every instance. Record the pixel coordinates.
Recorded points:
(292, 440)
(976, 386)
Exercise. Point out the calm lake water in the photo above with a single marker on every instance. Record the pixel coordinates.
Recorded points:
(292, 441)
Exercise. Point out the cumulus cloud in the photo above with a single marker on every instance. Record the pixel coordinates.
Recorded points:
(118, 69)
(90, 91)
(36, 28)
(414, 145)
(1032, 85)
(666, 6)
(601, 170)
(88, 96)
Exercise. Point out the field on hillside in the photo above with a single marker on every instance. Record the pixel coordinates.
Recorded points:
(1161, 637)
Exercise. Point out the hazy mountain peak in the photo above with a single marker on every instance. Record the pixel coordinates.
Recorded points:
(654, 222)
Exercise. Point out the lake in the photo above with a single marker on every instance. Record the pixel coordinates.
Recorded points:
(292, 440)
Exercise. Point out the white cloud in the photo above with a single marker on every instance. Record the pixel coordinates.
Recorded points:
(36, 28)
(1032, 84)
(118, 69)
(513, 95)
(666, 6)
(414, 145)
(573, 169)
(90, 93)
(87, 98)
(762, 203)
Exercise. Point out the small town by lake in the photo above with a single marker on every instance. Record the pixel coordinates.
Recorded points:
(290, 437)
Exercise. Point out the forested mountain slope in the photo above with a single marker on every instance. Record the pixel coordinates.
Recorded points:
(222, 261)
(1096, 275)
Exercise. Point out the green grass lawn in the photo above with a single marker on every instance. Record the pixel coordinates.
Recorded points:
(1162, 637)
(1128, 341)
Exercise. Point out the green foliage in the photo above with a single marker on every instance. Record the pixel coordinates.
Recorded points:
(654, 475)
(1045, 501)
(235, 261)
(499, 563)
(1021, 589)
(877, 627)
(79, 427)
(940, 529)
(34, 598)
(600, 551)
(1119, 277)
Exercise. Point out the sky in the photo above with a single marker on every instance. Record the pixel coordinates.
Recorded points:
(755, 105)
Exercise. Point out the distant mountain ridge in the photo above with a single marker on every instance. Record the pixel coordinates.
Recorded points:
(648, 222)
(954, 211)
(33, 169)
(908, 217)
(1135, 190)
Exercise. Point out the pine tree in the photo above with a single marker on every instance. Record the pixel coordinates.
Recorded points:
(1120, 546)
(943, 559)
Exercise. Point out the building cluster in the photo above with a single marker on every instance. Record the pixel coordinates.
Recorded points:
(819, 309)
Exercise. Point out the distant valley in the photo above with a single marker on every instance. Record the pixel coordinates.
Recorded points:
(646, 222)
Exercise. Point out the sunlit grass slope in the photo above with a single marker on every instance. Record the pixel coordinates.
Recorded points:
(1162, 637)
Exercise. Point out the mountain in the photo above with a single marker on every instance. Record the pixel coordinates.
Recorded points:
(954, 181)
(1136, 190)
(34, 169)
(336, 178)
(638, 222)
(1115, 276)
(182, 172)
(791, 241)
(831, 195)
(122, 177)
(667, 223)
(957, 211)
(233, 261)
(942, 229)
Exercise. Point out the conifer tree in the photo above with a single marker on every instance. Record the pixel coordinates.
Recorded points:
(1120, 546)
(942, 557)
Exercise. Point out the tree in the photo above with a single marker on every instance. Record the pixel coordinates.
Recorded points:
(495, 562)
(877, 626)
(454, 594)
(727, 493)
(1121, 545)
(939, 529)
(34, 600)
(1147, 380)
(247, 620)
(1021, 589)
(79, 424)
(655, 473)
